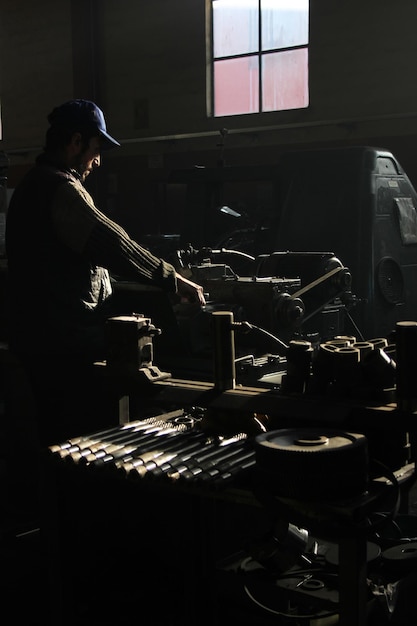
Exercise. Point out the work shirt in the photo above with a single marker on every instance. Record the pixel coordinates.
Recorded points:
(61, 251)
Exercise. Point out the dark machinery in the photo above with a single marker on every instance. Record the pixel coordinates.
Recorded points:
(307, 476)
(356, 201)
(272, 462)
(286, 296)
(274, 270)
(285, 291)
(289, 295)
(359, 202)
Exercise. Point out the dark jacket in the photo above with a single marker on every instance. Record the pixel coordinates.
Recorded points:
(61, 250)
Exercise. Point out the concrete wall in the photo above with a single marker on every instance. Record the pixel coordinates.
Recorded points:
(35, 68)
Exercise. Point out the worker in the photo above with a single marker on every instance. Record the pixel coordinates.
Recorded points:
(62, 253)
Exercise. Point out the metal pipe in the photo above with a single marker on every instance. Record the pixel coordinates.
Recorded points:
(25, 150)
(224, 350)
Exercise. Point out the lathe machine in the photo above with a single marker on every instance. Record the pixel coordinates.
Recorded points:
(213, 501)
(285, 295)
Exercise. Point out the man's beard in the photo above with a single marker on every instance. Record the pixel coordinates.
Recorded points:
(80, 167)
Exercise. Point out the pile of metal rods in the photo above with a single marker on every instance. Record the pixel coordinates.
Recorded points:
(170, 447)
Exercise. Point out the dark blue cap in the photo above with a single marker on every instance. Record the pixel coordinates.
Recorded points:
(85, 114)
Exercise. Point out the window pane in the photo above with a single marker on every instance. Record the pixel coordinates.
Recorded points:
(235, 27)
(284, 23)
(236, 86)
(285, 80)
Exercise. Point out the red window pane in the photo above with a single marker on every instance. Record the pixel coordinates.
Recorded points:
(285, 80)
(236, 86)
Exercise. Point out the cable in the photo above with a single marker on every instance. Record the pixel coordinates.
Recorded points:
(350, 318)
(281, 613)
(234, 252)
(268, 334)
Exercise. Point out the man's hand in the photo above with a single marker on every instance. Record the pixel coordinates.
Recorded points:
(190, 291)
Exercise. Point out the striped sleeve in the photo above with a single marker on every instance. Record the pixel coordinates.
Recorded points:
(89, 232)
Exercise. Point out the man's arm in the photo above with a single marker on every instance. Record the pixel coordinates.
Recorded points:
(87, 231)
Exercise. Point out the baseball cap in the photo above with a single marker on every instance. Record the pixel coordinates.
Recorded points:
(83, 113)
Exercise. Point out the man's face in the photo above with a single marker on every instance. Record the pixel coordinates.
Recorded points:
(87, 159)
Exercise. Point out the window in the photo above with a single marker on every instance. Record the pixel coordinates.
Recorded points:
(259, 56)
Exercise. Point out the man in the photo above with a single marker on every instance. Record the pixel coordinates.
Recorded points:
(61, 251)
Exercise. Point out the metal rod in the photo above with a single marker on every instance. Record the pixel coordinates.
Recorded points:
(224, 350)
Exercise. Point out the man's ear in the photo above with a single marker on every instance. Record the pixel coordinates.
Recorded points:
(76, 140)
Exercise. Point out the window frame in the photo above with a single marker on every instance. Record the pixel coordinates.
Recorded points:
(260, 54)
